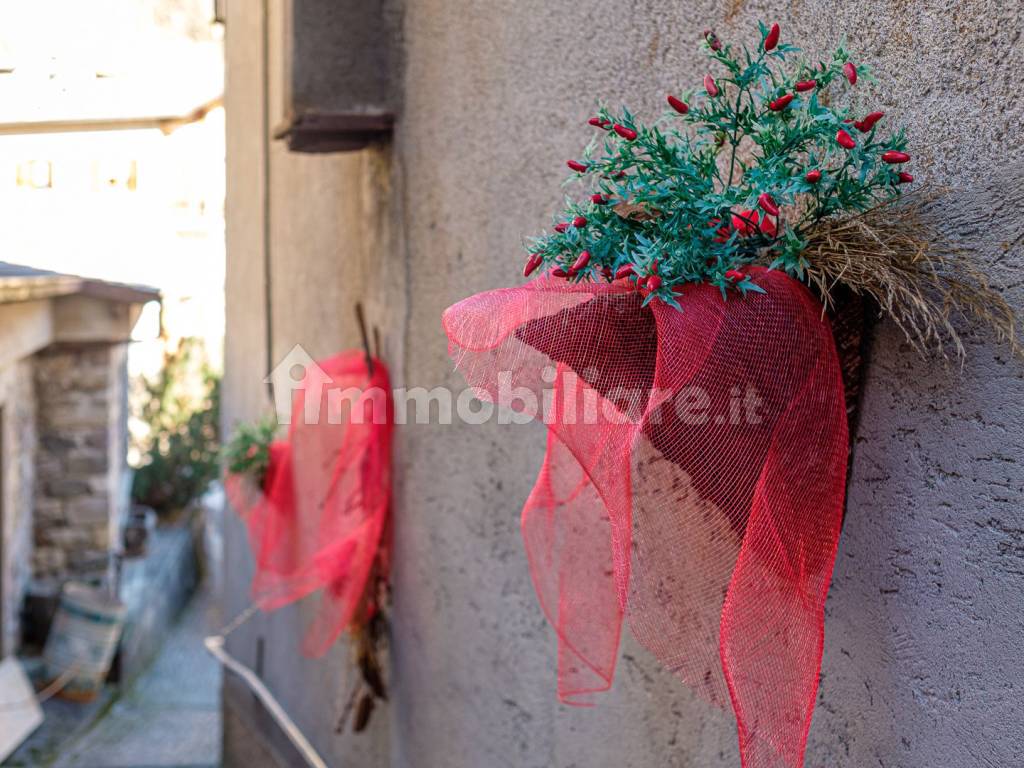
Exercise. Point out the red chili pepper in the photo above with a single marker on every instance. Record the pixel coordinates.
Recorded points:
(745, 222)
(532, 263)
(845, 140)
(559, 272)
(678, 105)
(581, 262)
(624, 271)
(892, 157)
(868, 122)
(780, 103)
(806, 85)
(653, 283)
(722, 233)
(599, 199)
(579, 222)
(709, 86)
(734, 274)
(768, 227)
(577, 166)
(561, 226)
(813, 177)
(627, 133)
(904, 177)
(606, 273)
(767, 204)
(773, 38)
(713, 41)
(598, 122)
(851, 72)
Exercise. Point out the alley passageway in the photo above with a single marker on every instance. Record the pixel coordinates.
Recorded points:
(170, 716)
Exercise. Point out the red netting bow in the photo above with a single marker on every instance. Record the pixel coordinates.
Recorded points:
(321, 520)
(694, 481)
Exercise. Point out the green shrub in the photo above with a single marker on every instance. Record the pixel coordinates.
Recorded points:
(180, 454)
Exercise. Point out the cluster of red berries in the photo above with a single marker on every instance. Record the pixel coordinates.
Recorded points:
(747, 223)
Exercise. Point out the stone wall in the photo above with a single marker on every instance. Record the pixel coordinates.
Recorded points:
(17, 478)
(80, 393)
(924, 629)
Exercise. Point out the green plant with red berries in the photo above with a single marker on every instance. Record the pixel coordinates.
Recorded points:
(247, 453)
(738, 171)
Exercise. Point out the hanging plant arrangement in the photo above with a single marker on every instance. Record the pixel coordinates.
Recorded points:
(757, 167)
(675, 344)
(317, 508)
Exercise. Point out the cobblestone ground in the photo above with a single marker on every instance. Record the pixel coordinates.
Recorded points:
(170, 716)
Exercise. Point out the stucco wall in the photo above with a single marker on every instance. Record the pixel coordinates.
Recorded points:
(326, 233)
(17, 398)
(924, 628)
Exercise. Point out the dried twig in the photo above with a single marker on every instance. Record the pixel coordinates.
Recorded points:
(897, 256)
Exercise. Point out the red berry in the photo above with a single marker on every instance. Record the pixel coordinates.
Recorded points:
(579, 222)
(813, 177)
(598, 199)
(868, 122)
(713, 42)
(624, 271)
(577, 166)
(904, 177)
(851, 72)
(734, 274)
(806, 85)
(844, 140)
(767, 204)
(780, 103)
(678, 105)
(722, 233)
(892, 157)
(532, 263)
(561, 226)
(709, 86)
(773, 38)
(653, 283)
(627, 133)
(581, 262)
(745, 222)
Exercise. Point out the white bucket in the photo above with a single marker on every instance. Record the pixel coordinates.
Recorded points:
(83, 639)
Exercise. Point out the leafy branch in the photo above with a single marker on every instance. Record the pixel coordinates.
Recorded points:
(248, 452)
(740, 170)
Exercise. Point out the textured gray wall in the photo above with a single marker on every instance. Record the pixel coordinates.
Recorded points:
(327, 217)
(924, 629)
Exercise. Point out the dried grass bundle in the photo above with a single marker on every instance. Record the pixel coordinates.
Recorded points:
(896, 255)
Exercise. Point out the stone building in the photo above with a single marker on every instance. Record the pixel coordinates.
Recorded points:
(63, 428)
(462, 156)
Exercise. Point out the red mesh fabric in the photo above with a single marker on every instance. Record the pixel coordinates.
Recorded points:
(662, 498)
(321, 519)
